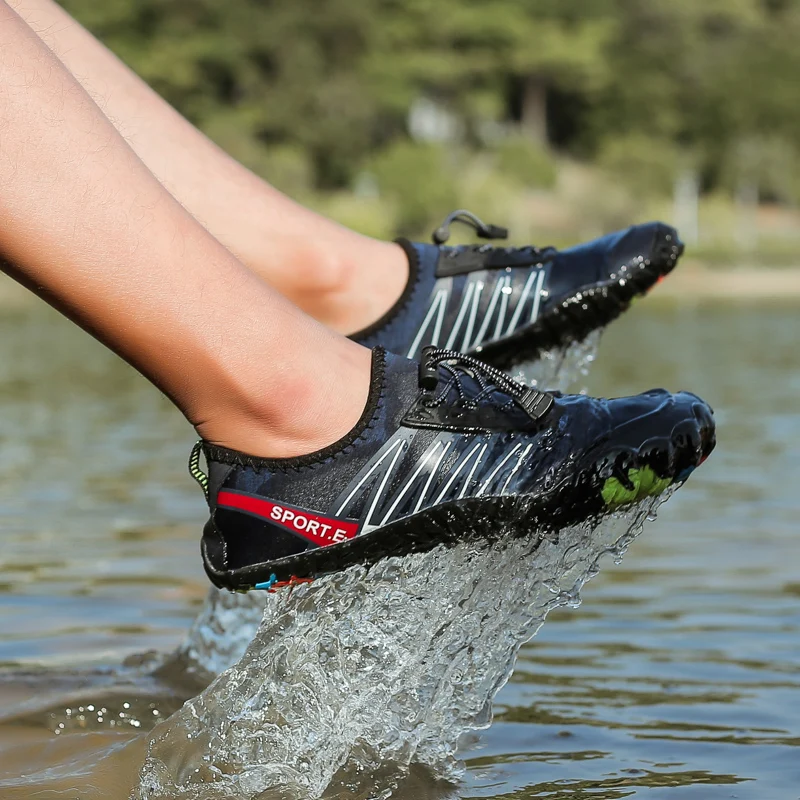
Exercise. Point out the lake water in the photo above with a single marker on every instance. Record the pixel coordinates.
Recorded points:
(679, 677)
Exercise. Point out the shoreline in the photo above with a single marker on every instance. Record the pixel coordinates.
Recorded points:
(690, 280)
(693, 279)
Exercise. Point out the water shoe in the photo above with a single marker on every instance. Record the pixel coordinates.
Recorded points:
(448, 449)
(507, 304)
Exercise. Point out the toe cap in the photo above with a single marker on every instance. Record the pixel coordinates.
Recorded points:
(652, 244)
(673, 433)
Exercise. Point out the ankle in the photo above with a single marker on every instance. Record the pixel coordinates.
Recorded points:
(374, 279)
(316, 404)
(347, 287)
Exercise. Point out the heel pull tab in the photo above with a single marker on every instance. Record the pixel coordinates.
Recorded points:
(194, 468)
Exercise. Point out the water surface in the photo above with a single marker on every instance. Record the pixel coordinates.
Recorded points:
(678, 678)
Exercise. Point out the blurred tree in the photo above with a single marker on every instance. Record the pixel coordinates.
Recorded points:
(701, 75)
(332, 82)
(465, 51)
(278, 71)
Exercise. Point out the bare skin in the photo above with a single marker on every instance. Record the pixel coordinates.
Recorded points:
(341, 278)
(88, 226)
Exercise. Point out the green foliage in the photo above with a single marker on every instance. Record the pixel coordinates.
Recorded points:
(528, 162)
(647, 165)
(420, 180)
(312, 94)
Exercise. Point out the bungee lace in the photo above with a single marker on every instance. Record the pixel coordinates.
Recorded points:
(484, 230)
(535, 403)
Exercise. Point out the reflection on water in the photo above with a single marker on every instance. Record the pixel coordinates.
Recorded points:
(679, 677)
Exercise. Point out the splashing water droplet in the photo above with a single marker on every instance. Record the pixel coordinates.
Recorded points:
(350, 680)
(561, 368)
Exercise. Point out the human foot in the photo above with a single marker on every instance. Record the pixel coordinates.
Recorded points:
(508, 304)
(446, 450)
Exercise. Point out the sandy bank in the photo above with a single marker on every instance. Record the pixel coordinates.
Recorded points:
(692, 279)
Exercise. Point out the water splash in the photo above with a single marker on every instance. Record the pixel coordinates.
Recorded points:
(228, 622)
(221, 632)
(401, 590)
(352, 679)
(562, 368)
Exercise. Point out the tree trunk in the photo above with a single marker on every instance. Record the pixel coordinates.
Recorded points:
(533, 117)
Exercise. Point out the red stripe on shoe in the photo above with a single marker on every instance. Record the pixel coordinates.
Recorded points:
(317, 528)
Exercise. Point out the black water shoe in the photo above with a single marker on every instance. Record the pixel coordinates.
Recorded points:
(507, 304)
(447, 450)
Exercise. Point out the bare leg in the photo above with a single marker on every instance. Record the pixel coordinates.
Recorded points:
(341, 278)
(87, 225)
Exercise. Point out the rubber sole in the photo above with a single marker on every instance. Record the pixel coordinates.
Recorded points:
(573, 318)
(611, 480)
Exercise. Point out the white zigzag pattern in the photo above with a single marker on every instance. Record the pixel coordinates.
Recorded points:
(500, 304)
(461, 478)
